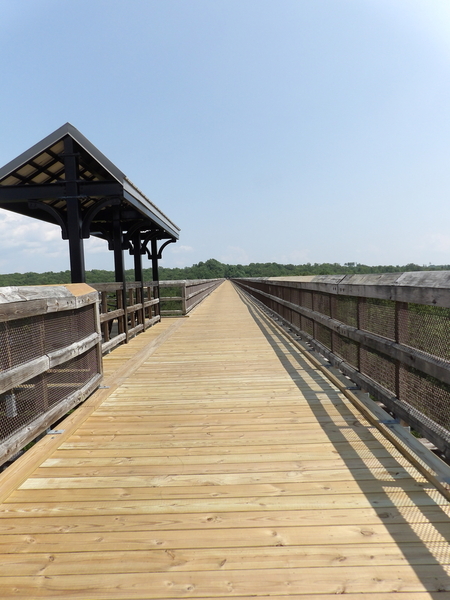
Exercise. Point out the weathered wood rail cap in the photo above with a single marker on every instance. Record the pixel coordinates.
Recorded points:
(418, 287)
(19, 302)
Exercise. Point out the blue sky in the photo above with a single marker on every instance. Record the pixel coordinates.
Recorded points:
(291, 130)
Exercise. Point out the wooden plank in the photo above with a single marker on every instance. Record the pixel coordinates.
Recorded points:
(63, 355)
(111, 315)
(11, 378)
(107, 287)
(221, 475)
(86, 439)
(423, 516)
(369, 451)
(41, 479)
(81, 289)
(225, 559)
(101, 505)
(210, 584)
(20, 309)
(112, 343)
(364, 536)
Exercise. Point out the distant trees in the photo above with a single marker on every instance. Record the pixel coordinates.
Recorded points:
(212, 268)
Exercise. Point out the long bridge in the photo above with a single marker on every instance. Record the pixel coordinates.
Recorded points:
(218, 460)
(218, 439)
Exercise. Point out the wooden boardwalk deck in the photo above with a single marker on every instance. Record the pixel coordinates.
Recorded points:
(219, 464)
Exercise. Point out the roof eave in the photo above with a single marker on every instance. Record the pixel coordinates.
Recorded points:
(52, 138)
(142, 204)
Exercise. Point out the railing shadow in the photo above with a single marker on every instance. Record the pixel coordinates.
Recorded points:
(427, 521)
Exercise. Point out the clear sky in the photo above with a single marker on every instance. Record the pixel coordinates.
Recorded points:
(269, 130)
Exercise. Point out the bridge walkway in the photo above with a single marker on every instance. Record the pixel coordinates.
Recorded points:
(219, 463)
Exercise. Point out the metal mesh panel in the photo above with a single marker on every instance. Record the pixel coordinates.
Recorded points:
(20, 406)
(20, 341)
(25, 339)
(322, 303)
(379, 367)
(65, 379)
(378, 316)
(283, 292)
(286, 313)
(426, 328)
(345, 309)
(295, 296)
(427, 394)
(323, 335)
(346, 349)
(24, 403)
(307, 325)
(307, 299)
(296, 319)
(64, 328)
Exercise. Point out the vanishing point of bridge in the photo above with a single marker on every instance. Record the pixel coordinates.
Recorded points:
(218, 461)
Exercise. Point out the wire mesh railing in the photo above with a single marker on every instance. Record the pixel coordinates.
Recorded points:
(50, 358)
(179, 297)
(390, 334)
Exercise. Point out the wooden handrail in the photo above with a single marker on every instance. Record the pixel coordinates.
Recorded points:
(197, 289)
(119, 324)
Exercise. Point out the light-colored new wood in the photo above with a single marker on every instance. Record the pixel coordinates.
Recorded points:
(220, 463)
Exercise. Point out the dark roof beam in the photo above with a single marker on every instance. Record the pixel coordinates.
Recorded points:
(38, 191)
(38, 169)
(84, 172)
(57, 157)
(52, 176)
(100, 188)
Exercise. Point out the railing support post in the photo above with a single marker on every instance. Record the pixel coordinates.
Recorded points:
(183, 298)
(155, 271)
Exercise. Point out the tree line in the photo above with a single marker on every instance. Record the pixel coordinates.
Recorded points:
(211, 269)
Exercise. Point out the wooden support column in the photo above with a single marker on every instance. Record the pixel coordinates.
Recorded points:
(119, 264)
(138, 276)
(400, 307)
(155, 272)
(136, 240)
(74, 217)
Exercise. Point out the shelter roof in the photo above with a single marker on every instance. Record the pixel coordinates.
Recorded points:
(38, 176)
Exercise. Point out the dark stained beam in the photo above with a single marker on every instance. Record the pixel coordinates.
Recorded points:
(155, 270)
(119, 262)
(119, 266)
(14, 193)
(38, 191)
(74, 217)
(43, 169)
(136, 240)
(100, 188)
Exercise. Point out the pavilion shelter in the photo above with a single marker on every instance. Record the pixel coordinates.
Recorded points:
(65, 180)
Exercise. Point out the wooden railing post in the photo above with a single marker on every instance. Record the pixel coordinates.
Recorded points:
(183, 298)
